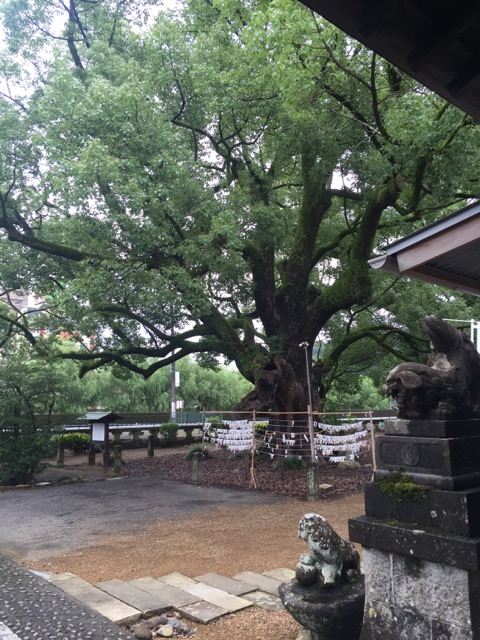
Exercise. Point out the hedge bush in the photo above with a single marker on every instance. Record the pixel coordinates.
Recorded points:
(169, 432)
(75, 441)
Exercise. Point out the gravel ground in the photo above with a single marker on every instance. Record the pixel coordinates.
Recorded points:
(225, 540)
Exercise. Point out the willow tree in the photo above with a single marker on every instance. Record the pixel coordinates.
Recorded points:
(211, 182)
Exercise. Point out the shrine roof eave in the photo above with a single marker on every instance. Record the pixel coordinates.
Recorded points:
(445, 253)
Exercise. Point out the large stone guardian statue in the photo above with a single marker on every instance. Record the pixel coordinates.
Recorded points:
(448, 386)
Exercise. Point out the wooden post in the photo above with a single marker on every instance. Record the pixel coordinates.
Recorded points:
(197, 476)
(313, 489)
(203, 430)
(106, 462)
(61, 453)
(372, 437)
(150, 445)
(252, 465)
(117, 459)
(91, 454)
(313, 452)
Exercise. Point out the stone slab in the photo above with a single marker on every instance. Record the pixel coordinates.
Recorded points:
(177, 580)
(217, 597)
(203, 612)
(415, 580)
(411, 598)
(235, 587)
(175, 597)
(283, 574)
(428, 589)
(454, 551)
(264, 600)
(147, 603)
(261, 582)
(444, 463)
(96, 599)
(456, 512)
(448, 483)
(432, 428)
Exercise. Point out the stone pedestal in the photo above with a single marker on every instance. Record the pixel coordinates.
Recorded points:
(421, 537)
(329, 614)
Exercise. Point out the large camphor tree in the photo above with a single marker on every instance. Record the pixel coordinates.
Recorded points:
(212, 181)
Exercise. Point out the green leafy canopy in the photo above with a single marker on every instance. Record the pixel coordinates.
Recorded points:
(213, 181)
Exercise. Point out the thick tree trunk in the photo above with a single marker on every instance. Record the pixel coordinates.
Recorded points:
(282, 386)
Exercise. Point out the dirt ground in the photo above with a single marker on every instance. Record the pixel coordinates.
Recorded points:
(226, 541)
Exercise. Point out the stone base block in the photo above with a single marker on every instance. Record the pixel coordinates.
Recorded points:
(443, 463)
(450, 550)
(407, 598)
(450, 512)
(433, 428)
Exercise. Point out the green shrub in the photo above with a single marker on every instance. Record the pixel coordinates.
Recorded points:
(74, 441)
(169, 432)
(23, 448)
(198, 449)
(261, 428)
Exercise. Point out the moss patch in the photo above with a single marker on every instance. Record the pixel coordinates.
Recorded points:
(400, 486)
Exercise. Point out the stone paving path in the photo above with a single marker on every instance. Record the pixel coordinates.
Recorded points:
(57, 606)
(202, 599)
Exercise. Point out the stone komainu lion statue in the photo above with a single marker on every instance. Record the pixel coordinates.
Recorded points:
(330, 559)
(448, 386)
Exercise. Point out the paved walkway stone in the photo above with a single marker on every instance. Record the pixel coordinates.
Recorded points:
(217, 597)
(102, 602)
(265, 600)
(235, 587)
(203, 599)
(261, 582)
(202, 612)
(165, 592)
(147, 603)
(284, 575)
(178, 580)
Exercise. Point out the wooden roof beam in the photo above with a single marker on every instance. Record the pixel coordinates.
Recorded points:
(438, 245)
(441, 37)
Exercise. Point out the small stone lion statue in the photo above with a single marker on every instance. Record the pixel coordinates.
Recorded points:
(330, 560)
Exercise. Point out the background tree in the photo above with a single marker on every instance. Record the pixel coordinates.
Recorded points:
(214, 183)
(119, 389)
(29, 387)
